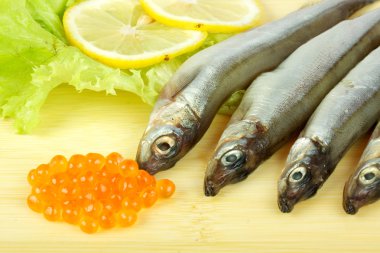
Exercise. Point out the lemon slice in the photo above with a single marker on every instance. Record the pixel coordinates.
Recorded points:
(120, 34)
(220, 16)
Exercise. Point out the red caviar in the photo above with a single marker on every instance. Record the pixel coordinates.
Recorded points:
(149, 196)
(107, 220)
(127, 217)
(71, 213)
(58, 164)
(165, 188)
(94, 191)
(89, 225)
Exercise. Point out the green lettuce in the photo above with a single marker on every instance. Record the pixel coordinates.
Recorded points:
(49, 15)
(35, 58)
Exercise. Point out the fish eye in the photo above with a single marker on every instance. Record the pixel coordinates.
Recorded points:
(164, 145)
(369, 175)
(232, 157)
(297, 175)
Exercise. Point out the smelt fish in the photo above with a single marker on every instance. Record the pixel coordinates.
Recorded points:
(346, 113)
(189, 102)
(280, 102)
(363, 187)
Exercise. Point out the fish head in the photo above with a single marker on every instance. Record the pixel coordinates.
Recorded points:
(239, 152)
(169, 136)
(362, 188)
(297, 183)
(232, 162)
(308, 167)
(159, 148)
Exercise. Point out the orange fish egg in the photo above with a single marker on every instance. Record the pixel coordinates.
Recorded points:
(144, 179)
(107, 220)
(86, 196)
(32, 177)
(114, 181)
(48, 195)
(58, 164)
(89, 225)
(37, 190)
(52, 213)
(42, 172)
(134, 203)
(69, 192)
(94, 191)
(149, 196)
(59, 179)
(165, 188)
(128, 186)
(113, 203)
(76, 165)
(102, 177)
(129, 168)
(71, 214)
(102, 190)
(86, 180)
(126, 217)
(35, 203)
(112, 162)
(95, 162)
(92, 208)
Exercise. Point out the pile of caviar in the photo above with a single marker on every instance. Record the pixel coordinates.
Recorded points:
(94, 191)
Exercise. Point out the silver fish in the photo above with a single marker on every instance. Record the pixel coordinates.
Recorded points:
(363, 187)
(280, 102)
(190, 100)
(346, 113)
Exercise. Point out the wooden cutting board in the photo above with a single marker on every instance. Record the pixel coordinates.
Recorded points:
(243, 218)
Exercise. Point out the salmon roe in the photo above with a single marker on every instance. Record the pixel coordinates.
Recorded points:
(94, 192)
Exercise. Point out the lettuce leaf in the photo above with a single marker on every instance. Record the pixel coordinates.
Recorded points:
(48, 14)
(35, 58)
(24, 44)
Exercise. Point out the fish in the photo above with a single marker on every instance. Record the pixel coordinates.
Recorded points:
(363, 187)
(279, 103)
(188, 103)
(344, 115)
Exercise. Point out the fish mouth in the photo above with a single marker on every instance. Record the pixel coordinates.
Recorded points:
(285, 205)
(155, 166)
(288, 199)
(215, 181)
(350, 206)
(211, 189)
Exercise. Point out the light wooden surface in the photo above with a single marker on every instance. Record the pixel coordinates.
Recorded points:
(243, 218)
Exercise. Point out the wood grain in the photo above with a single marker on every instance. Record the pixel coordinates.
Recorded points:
(243, 218)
